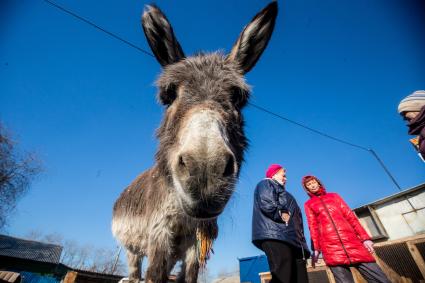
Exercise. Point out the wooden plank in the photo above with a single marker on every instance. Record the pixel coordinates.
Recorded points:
(358, 278)
(402, 240)
(265, 277)
(330, 275)
(70, 277)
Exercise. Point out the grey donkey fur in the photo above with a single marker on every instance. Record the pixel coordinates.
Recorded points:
(201, 146)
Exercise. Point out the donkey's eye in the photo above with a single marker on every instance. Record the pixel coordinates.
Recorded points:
(168, 94)
(239, 97)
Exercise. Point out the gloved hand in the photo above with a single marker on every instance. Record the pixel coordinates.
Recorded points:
(369, 246)
(315, 256)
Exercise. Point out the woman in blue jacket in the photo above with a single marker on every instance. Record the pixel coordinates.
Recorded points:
(277, 228)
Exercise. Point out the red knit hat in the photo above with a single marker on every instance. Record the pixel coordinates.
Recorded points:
(273, 170)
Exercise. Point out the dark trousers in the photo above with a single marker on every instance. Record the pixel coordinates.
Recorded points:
(370, 271)
(286, 262)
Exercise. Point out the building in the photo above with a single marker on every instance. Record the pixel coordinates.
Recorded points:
(32, 260)
(35, 261)
(396, 216)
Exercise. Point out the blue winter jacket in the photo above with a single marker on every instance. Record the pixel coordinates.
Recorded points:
(270, 200)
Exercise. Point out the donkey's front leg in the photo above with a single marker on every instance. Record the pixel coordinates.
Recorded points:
(134, 267)
(158, 268)
(190, 267)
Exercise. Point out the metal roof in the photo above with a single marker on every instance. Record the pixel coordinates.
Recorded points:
(31, 250)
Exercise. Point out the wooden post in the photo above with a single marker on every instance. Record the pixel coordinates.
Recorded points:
(70, 277)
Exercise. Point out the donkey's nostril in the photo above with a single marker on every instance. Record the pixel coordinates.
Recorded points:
(230, 167)
(181, 161)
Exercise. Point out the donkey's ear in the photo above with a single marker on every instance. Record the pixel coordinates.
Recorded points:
(160, 36)
(254, 38)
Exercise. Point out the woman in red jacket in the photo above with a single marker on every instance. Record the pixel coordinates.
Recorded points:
(337, 233)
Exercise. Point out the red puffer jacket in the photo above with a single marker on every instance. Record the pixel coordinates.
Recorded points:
(335, 229)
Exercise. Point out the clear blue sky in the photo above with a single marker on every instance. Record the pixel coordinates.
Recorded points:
(85, 103)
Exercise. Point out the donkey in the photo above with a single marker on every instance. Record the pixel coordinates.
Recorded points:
(201, 147)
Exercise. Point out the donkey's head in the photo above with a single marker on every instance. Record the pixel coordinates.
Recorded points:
(201, 137)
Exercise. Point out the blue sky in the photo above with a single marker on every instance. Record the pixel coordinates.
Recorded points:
(85, 103)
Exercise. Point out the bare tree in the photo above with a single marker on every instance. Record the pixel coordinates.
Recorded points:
(17, 170)
(54, 238)
(34, 235)
(85, 257)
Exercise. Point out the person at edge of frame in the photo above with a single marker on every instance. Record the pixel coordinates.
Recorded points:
(412, 109)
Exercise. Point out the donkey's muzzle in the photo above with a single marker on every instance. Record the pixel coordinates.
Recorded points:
(207, 181)
(219, 165)
(203, 210)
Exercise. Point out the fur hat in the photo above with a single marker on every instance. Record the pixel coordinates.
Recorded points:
(413, 102)
(273, 170)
